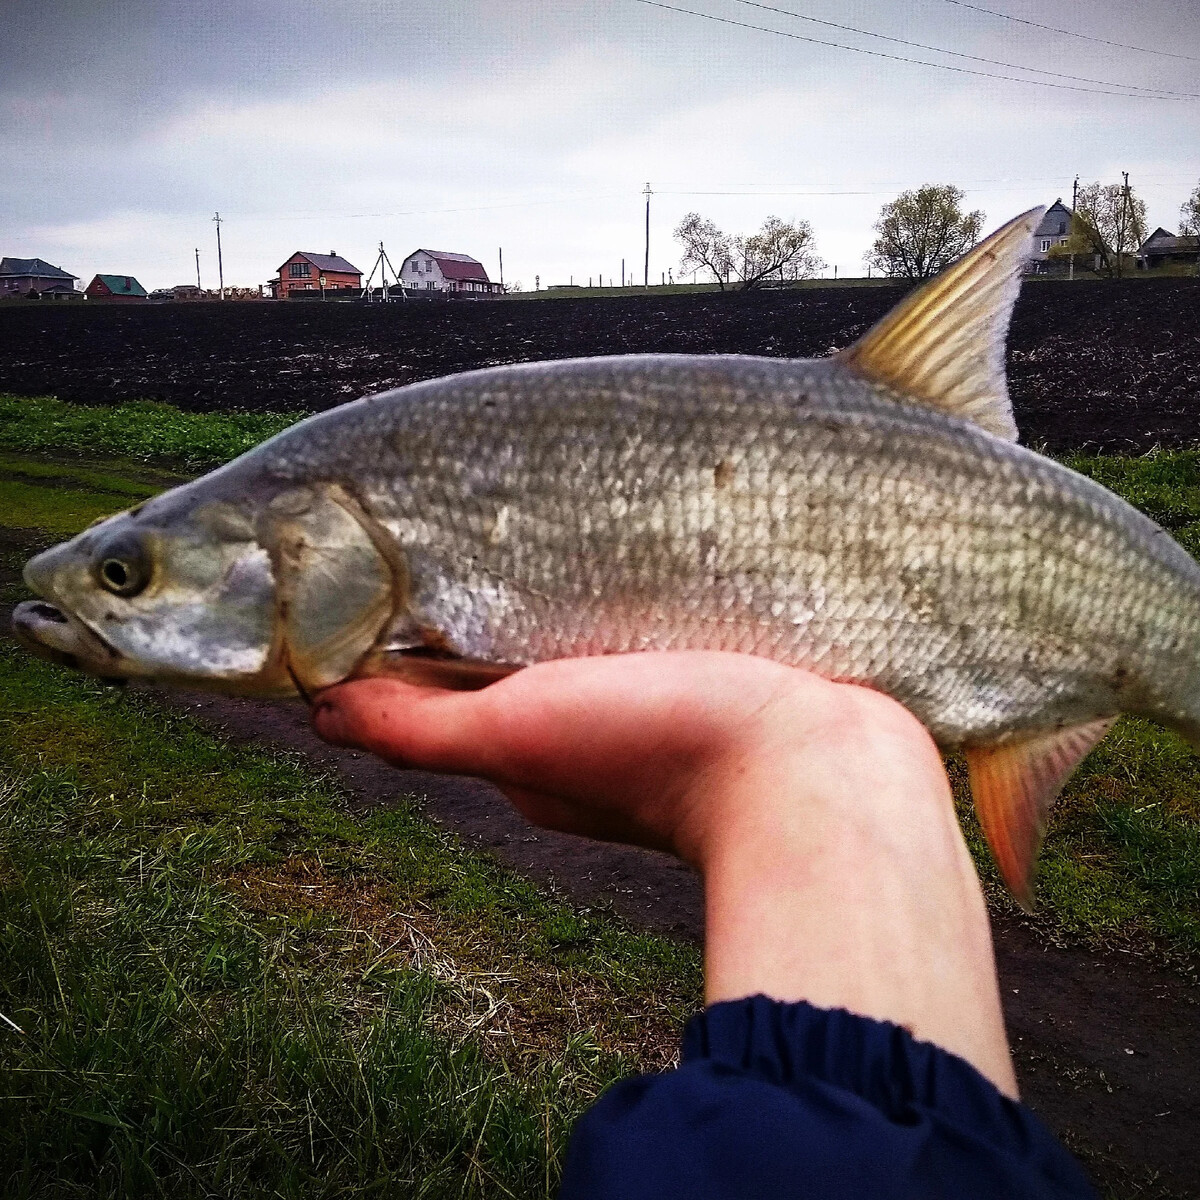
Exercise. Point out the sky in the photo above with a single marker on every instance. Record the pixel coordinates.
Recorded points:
(534, 126)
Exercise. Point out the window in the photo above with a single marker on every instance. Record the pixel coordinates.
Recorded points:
(429, 264)
(1045, 245)
(430, 285)
(299, 270)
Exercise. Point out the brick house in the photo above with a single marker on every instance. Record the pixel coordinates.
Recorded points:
(35, 277)
(122, 288)
(442, 271)
(305, 272)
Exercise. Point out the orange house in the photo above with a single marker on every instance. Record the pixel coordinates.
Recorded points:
(305, 272)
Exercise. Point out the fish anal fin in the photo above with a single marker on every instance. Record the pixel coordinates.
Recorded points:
(943, 345)
(1014, 784)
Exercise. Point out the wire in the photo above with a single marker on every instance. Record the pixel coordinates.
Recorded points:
(1087, 37)
(799, 37)
(995, 62)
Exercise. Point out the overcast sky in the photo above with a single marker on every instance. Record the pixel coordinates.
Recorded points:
(534, 125)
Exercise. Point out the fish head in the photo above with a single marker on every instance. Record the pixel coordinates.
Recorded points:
(254, 591)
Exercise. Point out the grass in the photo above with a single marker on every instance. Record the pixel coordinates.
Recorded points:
(223, 983)
(145, 430)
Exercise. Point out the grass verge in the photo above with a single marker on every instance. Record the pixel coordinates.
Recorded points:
(217, 981)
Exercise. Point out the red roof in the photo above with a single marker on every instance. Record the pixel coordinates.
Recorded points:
(456, 266)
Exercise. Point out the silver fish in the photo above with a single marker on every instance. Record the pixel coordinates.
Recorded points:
(868, 516)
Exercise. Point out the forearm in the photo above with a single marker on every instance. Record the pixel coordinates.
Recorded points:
(859, 893)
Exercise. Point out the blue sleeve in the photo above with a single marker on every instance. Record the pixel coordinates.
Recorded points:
(787, 1100)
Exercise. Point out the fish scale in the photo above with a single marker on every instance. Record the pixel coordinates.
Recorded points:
(868, 516)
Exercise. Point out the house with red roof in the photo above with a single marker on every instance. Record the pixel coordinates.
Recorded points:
(442, 271)
(308, 272)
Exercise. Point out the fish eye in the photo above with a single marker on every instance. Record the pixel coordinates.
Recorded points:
(122, 568)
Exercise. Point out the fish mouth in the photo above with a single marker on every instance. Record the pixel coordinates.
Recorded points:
(52, 634)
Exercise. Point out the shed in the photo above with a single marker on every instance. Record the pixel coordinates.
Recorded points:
(1163, 248)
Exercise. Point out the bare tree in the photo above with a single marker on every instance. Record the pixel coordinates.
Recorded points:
(1110, 222)
(1189, 215)
(705, 248)
(922, 231)
(782, 250)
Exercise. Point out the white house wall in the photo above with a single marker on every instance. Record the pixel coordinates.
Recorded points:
(410, 276)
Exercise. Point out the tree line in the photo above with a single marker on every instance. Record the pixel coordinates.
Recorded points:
(917, 235)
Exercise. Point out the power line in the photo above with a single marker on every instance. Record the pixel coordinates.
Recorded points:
(1087, 37)
(799, 37)
(995, 62)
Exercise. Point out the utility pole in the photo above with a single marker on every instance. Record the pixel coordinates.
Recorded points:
(1074, 202)
(502, 268)
(622, 272)
(220, 264)
(646, 268)
(197, 268)
(1124, 226)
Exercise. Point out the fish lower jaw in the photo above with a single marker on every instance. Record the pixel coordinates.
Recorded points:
(50, 633)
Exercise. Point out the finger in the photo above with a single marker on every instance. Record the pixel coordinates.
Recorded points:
(410, 726)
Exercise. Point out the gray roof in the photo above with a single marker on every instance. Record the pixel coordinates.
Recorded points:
(36, 268)
(1165, 242)
(1056, 222)
(327, 262)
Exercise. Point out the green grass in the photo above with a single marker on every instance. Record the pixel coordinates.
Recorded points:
(144, 430)
(226, 984)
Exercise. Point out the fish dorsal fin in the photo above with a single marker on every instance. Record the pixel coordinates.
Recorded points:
(943, 345)
(1014, 785)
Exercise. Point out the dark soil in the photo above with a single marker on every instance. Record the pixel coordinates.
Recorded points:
(1096, 365)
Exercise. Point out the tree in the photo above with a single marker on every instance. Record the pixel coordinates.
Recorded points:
(1189, 215)
(705, 248)
(923, 231)
(781, 250)
(1110, 222)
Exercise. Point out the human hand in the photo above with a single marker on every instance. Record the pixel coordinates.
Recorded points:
(629, 747)
(819, 814)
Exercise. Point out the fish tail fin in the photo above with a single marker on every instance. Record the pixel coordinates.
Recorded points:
(1014, 784)
(943, 344)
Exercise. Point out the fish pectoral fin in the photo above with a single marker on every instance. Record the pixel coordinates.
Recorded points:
(1014, 784)
(943, 345)
(433, 670)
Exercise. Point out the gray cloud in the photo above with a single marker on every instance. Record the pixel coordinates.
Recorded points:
(534, 124)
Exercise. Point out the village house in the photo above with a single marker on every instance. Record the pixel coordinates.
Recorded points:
(122, 288)
(1054, 229)
(1163, 248)
(306, 272)
(442, 271)
(36, 278)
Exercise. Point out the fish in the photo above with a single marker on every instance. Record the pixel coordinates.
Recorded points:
(869, 516)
